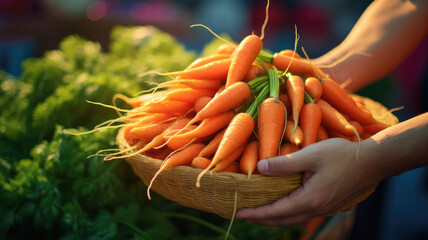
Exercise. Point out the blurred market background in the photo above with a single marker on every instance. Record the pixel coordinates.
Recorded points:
(398, 210)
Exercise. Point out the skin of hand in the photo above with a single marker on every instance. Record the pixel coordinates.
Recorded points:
(385, 34)
(332, 175)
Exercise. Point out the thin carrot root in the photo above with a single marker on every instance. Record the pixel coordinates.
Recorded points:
(235, 206)
(212, 32)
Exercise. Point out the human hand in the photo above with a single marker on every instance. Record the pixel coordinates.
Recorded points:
(332, 176)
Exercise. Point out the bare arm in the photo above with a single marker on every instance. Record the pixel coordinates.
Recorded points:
(388, 31)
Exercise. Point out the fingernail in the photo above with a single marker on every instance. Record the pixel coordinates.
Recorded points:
(262, 165)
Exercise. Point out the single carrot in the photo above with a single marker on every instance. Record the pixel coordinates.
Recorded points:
(226, 49)
(357, 126)
(169, 106)
(297, 138)
(182, 157)
(313, 87)
(230, 159)
(216, 70)
(188, 95)
(375, 127)
(296, 93)
(155, 118)
(207, 59)
(230, 98)
(236, 134)
(322, 134)
(139, 100)
(283, 97)
(242, 58)
(201, 103)
(333, 119)
(249, 158)
(208, 126)
(290, 53)
(310, 120)
(192, 83)
(200, 162)
(297, 66)
(271, 123)
(178, 143)
(288, 148)
(149, 131)
(161, 153)
(233, 168)
(212, 146)
(254, 72)
(342, 101)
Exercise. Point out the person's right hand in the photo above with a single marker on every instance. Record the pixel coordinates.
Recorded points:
(332, 176)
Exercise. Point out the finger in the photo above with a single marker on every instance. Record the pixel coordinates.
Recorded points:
(283, 221)
(296, 203)
(288, 164)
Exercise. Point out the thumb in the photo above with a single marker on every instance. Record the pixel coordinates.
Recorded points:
(284, 165)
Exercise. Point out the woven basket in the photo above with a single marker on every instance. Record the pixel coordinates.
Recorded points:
(217, 191)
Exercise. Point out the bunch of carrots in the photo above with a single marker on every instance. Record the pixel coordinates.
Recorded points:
(228, 110)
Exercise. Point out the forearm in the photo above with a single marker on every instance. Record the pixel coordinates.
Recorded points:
(387, 32)
(397, 149)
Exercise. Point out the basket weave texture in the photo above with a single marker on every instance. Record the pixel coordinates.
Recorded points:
(217, 191)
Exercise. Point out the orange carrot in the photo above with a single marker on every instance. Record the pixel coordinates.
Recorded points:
(233, 167)
(155, 118)
(310, 120)
(237, 133)
(249, 158)
(297, 66)
(313, 87)
(192, 83)
(201, 103)
(216, 70)
(230, 98)
(357, 126)
(343, 102)
(297, 138)
(333, 119)
(296, 93)
(188, 95)
(200, 162)
(286, 101)
(226, 48)
(149, 131)
(161, 153)
(139, 100)
(375, 127)
(242, 58)
(182, 157)
(208, 59)
(322, 134)
(271, 122)
(169, 106)
(178, 143)
(254, 72)
(208, 126)
(212, 146)
(289, 52)
(288, 148)
(230, 159)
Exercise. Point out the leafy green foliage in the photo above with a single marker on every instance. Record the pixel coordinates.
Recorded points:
(49, 188)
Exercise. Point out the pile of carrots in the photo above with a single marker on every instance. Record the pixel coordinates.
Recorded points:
(226, 111)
